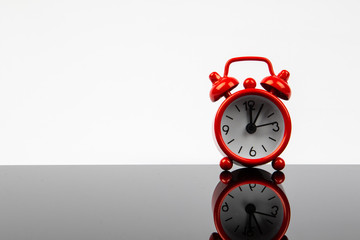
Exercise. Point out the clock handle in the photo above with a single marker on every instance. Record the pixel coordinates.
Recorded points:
(248, 58)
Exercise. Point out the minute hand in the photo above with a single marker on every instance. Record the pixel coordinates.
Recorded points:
(266, 124)
(257, 115)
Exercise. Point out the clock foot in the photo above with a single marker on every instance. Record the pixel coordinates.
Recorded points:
(225, 177)
(278, 164)
(278, 177)
(226, 163)
(215, 236)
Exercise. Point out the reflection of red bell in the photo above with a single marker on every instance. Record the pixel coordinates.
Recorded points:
(221, 86)
(278, 85)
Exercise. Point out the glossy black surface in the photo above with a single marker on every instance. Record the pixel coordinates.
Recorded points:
(162, 202)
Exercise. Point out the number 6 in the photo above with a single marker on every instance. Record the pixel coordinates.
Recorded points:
(252, 152)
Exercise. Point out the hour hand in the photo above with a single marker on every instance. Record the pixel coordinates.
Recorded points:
(250, 113)
(248, 230)
(250, 107)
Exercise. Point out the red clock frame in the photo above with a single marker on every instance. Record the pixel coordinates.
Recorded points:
(276, 87)
(248, 161)
(227, 184)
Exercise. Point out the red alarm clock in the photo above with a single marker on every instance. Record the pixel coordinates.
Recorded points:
(252, 126)
(250, 203)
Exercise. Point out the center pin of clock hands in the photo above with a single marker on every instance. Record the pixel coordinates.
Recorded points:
(251, 210)
(251, 127)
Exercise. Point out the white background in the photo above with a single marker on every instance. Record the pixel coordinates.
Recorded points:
(122, 82)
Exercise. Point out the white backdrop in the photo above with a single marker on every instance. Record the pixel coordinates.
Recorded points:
(121, 82)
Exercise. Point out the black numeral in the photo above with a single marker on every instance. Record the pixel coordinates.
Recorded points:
(249, 104)
(275, 210)
(252, 152)
(276, 128)
(225, 207)
(249, 231)
(226, 128)
(252, 186)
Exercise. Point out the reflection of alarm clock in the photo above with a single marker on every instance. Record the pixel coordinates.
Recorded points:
(252, 126)
(250, 204)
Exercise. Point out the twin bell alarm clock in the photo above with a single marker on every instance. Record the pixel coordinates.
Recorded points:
(252, 126)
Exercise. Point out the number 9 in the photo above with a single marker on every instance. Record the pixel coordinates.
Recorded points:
(226, 128)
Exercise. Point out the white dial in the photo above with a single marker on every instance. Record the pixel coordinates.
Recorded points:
(251, 211)
(252, 127)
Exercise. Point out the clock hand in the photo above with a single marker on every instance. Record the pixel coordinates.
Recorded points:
(257, 115)
(246, 228)
(265, 214)
(250, 127)
(257, 224)
(266, 124)
(250, 112)
(250, 221)
(249, 209)
(249, 232)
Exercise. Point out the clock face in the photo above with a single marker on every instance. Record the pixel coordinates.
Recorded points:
(252, 127)
(251, 211)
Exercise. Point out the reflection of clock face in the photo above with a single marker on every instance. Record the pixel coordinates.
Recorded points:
(251, 211)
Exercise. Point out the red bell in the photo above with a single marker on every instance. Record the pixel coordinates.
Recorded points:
(221, 86)
(278, 85)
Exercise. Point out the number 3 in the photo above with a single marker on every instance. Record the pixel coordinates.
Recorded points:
(277, 127)
(275, 212)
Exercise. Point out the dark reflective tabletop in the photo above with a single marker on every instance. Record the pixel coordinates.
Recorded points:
(170, 202)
